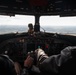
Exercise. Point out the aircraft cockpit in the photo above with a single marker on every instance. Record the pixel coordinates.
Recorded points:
(17, 45)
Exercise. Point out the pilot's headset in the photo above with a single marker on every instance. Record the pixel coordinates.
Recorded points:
(6, 66)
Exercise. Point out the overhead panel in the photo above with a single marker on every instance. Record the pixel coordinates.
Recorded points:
(38, 7)
(68, 8)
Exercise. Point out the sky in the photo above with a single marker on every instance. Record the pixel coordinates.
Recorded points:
(59, 21)
(44, 20)
(16, 20)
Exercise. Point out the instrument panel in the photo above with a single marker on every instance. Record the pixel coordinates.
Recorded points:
(17, 48)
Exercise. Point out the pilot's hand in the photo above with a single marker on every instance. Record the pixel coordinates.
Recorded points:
(28, 62)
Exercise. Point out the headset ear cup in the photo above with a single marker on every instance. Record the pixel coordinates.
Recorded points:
(6, 66)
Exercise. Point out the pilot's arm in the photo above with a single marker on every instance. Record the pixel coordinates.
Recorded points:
(27, 65)
(52, 63)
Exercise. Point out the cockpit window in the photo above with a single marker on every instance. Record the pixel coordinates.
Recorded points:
(55, 24)
(17, 23)
(58, 24)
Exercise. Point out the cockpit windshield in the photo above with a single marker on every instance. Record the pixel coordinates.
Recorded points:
(55, 24)
(58, 24)
(13, 24)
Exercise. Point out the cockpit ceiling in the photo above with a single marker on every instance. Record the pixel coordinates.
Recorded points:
(38, 7)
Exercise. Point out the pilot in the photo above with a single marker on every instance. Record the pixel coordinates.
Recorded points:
(8, 67)
(31, 30)
(53, 63)
(46, 64)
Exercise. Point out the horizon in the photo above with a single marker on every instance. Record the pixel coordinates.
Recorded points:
(51, 29)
